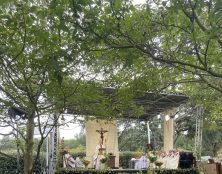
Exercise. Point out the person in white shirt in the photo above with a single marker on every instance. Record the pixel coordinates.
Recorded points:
(142, 163)
(99, 154)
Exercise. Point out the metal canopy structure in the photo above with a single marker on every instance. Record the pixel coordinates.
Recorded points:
(154, 103)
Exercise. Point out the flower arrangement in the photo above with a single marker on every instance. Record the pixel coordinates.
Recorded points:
(152, 156)
(158, 163)
(105, 159)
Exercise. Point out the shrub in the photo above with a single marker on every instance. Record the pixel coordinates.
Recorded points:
(81, 154)
(158, 171)
(177, 171)
(79, 149)
(81, 171)
(125, 157)
(8, 164)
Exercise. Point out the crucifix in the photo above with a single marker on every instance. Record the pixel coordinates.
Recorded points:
(101, 132)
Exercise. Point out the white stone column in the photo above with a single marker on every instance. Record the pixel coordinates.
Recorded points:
(168, 133)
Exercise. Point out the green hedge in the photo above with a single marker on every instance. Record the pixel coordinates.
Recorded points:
(80, 171)
(177, 171)
(80, 154)
(157, 171)
(8, 165)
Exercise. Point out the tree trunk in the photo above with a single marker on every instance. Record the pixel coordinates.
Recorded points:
(214, 149)
(28, 156)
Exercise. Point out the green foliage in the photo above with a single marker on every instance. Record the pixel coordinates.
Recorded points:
(49, 49)
(132, 132)
(135, 131)
(77, 146)
(124, 159)
(211, 142)
(37, 58)
(177, 171)
(44, 65)
(78, 150)
(185, 143)
(173, 46)
(81, 154)
(8, 164)
(126, 156)
(93, 171)
(80, 171)
(152, 156)
(6, 143)
(78, 143)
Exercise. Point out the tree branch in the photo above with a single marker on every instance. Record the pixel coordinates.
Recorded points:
(24, 42)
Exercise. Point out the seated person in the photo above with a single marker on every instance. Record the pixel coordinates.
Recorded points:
(79, 162)
(68, 160)
(142, 163)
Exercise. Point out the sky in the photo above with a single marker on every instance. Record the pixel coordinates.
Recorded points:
(139, 1)
(70, 130)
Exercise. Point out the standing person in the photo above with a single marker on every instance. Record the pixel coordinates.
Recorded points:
(99, 154)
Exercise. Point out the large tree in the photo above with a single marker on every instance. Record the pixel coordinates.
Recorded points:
(45, 69)
(42, 70)
(45, 45)
(158, 45)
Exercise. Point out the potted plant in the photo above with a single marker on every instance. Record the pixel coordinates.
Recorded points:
(104, 161)
(158, 163)
(152, 157)
(85, 162)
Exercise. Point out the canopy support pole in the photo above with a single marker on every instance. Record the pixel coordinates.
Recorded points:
(168, 134)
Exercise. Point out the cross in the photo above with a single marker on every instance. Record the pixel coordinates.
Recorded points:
(101, 132)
